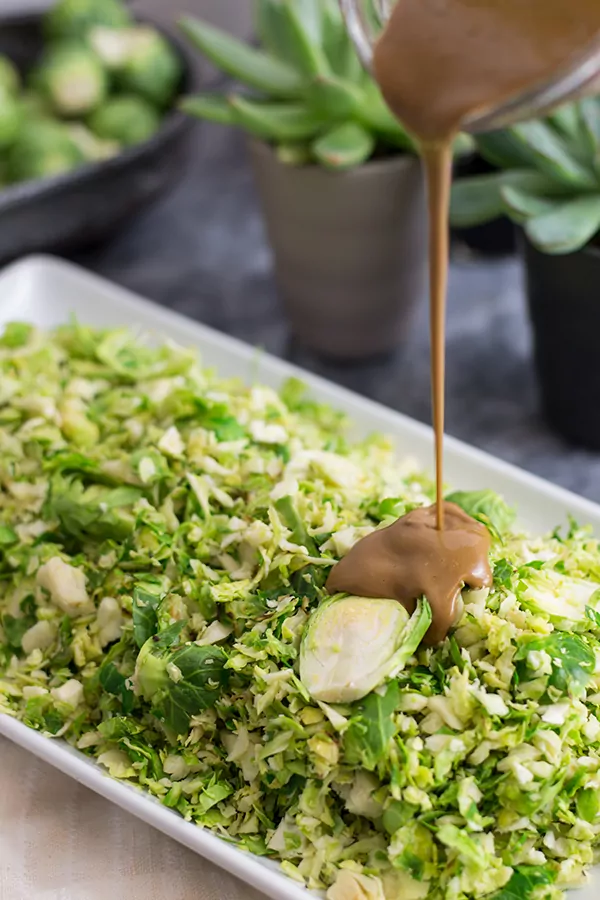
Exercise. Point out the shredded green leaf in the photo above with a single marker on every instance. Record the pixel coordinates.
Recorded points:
(165, 539)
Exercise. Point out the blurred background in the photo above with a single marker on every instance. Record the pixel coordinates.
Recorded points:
(233, 15)
(194, 216)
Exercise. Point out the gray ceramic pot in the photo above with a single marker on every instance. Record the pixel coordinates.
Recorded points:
(350, 250)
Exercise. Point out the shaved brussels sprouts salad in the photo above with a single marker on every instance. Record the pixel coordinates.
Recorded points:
(165, 537)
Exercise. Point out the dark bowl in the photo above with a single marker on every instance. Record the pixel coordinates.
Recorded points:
(86, 206)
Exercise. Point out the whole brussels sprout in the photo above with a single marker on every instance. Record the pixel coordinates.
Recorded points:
(72, 78)
(11, 118)
(126, 119)
(143, 60)
(43, 148)
(10, 80)
(74, 18)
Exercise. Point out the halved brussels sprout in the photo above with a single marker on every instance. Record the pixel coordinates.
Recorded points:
(93, 148)
(127, 119)
(72, 78)
(112, 45)
(142, 60)
(10, 80)
(11, 118)
(73, 18)
(351, 645)
(153, 67)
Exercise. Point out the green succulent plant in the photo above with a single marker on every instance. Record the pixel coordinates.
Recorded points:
(548, 179)
(305, 89)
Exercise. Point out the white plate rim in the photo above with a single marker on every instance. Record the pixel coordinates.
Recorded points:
(261, 874)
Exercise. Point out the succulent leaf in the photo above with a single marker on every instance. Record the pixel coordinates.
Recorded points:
(272, 29)
(548, 152)
(567, 121)
(524, 205)
(377, 116)
(568, 227)
(340, 51)
(464, 145)
(292, 34)
(476, 200)
(311, 16)
(252, 67)
(213, 107)
(279, 122)
(334, 98)
(308, 52)
(294, 154)
(589, 116)
(344, 147)
(480, 199)
(503, 150)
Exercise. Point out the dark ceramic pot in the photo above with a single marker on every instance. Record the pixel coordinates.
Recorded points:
(84, 207)
(494, 239)
(564, 304)
(350, 250)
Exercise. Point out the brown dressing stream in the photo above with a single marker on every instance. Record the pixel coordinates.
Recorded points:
(439, 63)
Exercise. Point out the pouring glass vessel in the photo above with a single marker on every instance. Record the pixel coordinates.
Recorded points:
(365, 19)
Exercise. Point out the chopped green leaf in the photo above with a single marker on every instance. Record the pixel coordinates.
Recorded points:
(145, 616)
(7, 536)
(366, 743)
(486, 506)
(14, 629)
(180, 682)
(15, 334)
(525, 881)
(573, 661)
(115, 683)
(95, 512)
(503, 573)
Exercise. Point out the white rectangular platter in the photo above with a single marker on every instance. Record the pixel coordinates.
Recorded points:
(46, 292)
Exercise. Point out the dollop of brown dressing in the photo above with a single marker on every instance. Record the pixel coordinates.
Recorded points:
(412, 558)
